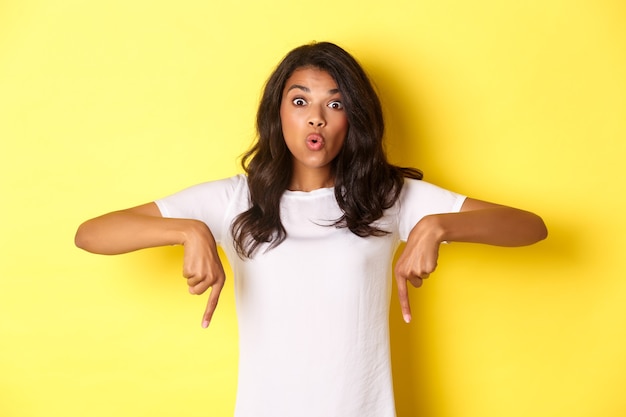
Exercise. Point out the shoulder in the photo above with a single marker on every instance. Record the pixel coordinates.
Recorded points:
(230, 185)
(427, 194)
(420, 198)
(210, 192)
(234, 182)
(411, 184)
(213, 202)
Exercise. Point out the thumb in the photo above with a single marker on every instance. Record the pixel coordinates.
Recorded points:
(403, 295)
(211, 304)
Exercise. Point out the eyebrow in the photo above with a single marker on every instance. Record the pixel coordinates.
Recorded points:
(308, 90)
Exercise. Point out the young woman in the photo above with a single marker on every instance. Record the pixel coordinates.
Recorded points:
(310, 233)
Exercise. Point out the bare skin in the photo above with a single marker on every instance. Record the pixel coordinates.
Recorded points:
(477, 222)
(143, 227)
(314, 127)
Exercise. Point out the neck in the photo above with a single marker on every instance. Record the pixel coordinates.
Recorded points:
(311, 180)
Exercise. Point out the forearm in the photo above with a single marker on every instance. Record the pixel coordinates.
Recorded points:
(127, 231)
(497, 225)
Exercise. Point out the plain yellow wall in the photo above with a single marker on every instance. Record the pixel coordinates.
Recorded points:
(108, 104)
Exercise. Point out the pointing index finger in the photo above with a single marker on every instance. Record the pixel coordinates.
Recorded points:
(211, 304)
(403, 295)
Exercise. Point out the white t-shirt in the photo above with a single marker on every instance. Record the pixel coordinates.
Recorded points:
(312, 312)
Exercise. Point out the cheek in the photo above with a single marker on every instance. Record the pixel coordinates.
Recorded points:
(343, 126)
(286, 120)
(342, 119)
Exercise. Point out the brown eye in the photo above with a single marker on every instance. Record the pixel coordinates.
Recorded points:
(299, 101)
(335, 105)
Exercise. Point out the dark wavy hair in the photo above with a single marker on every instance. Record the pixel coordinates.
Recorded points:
(365, 183)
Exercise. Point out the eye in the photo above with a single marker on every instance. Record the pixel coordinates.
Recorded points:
(335, 105)
(299, 101)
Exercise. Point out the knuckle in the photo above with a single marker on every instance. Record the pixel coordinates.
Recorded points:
(402, 272)
(416, 282)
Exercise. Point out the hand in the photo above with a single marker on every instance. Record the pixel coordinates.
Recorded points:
(202, 267)
(417, 262)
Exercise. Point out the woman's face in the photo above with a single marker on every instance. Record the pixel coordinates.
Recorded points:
(314, 123)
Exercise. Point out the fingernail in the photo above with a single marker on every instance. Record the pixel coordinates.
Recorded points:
(407, 317)
(205, 324)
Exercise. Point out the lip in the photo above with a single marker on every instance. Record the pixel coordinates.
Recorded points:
(315, 137)
(315, 141)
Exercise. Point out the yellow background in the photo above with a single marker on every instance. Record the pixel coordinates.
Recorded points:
(108, 104)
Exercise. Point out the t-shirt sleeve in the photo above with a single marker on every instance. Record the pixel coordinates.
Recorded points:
(208, 202)
(419, 199)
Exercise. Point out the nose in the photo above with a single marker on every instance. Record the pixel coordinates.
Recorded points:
(316, 117)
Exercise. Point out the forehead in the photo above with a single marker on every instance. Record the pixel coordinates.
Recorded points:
(311, 78)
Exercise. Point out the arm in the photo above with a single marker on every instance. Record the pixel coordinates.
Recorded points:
(132, 229)
(483, 222)
(478, 222)
(143, 227)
